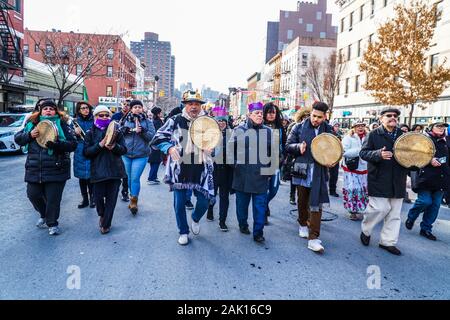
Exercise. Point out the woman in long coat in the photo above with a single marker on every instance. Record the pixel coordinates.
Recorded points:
(81, 165)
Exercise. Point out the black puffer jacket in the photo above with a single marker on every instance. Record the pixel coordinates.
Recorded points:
(431, 178)
(387, 178)
(41, 167)
(105, 164)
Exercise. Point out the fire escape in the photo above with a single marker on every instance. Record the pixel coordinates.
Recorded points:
(11, 56)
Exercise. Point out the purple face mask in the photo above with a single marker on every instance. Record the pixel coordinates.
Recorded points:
(102, 124)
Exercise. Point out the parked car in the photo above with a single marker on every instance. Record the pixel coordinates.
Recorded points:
(10, 124)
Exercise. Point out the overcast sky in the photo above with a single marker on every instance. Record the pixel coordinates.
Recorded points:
(219, 43)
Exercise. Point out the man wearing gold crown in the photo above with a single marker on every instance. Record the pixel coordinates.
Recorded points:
(184, 170)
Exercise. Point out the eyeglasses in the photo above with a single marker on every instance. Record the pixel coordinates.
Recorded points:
(103, 116)
(391, 115)
(439, 126)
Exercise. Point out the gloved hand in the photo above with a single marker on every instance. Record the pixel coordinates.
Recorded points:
(52, 145)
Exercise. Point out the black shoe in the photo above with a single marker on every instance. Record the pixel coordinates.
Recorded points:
(245, 231)
(259, 239)
(223, 227)
(84, 204)
(391, 250)
(91, 202)
(268, 212)
(292, 202)
(125, 197)
(365, 239)
(428, 235)
(409, 224)
(266, 221)
(189, 205)
(334, 194)
(210, 215)
(407, 201)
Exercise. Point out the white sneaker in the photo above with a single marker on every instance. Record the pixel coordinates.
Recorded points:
(54, 231)
(41, 224)
(303, 232)
(184, 240)
(316, 246)
(195, 228)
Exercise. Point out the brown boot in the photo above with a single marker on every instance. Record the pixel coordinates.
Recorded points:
(133, 205)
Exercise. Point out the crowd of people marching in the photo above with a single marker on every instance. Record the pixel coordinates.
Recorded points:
(374, 186)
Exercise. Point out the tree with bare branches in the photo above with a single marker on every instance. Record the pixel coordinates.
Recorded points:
(396, 65)
(73, 58)
(323, 77)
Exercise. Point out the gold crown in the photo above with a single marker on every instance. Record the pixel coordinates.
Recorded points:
(191, 95)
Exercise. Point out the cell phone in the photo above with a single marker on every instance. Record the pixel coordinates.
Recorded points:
(442, 160)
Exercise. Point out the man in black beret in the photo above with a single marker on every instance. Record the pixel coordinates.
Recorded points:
(386, 180)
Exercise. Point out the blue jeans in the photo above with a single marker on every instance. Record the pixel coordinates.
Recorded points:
(429, 203)
(259, 211)
(154, 167)
(134, 168)
(273, 188)
(180, 197)
(188, 195)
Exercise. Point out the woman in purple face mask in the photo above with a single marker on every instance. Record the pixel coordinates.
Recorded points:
(107, 169)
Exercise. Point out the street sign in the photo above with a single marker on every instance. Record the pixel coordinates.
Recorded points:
(279, 99)
(140, 93)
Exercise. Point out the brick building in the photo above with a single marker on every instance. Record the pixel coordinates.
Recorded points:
(309, 21)
(12, 88)
(117, 77)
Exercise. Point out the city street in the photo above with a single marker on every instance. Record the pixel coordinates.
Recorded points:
(141, 259)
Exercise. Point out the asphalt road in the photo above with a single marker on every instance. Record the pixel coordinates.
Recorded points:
(141, 259)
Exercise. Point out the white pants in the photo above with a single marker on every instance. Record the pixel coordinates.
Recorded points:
(389, 210)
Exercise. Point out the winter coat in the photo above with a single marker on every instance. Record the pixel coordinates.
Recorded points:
(138, 144)
(248, 177)
(41, 167)
(305, 132)
(156, 156)
(105, 164)
(387, 178)
(434, 178)
(82, 165)
(352, 147)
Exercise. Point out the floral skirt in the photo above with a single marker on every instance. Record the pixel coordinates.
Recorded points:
(356, 195)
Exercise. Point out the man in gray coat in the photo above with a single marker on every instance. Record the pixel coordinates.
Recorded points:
(252, 144)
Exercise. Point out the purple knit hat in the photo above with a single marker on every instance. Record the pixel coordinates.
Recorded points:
(220, 113)
(257, 106)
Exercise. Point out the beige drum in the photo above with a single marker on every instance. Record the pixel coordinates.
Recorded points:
(47, 132)
(205, 133)
(327, 150)
(414, 150)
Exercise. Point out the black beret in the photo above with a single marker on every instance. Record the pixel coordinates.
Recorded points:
(390, 110)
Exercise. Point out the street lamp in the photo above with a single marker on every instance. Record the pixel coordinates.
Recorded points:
(155, 93)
